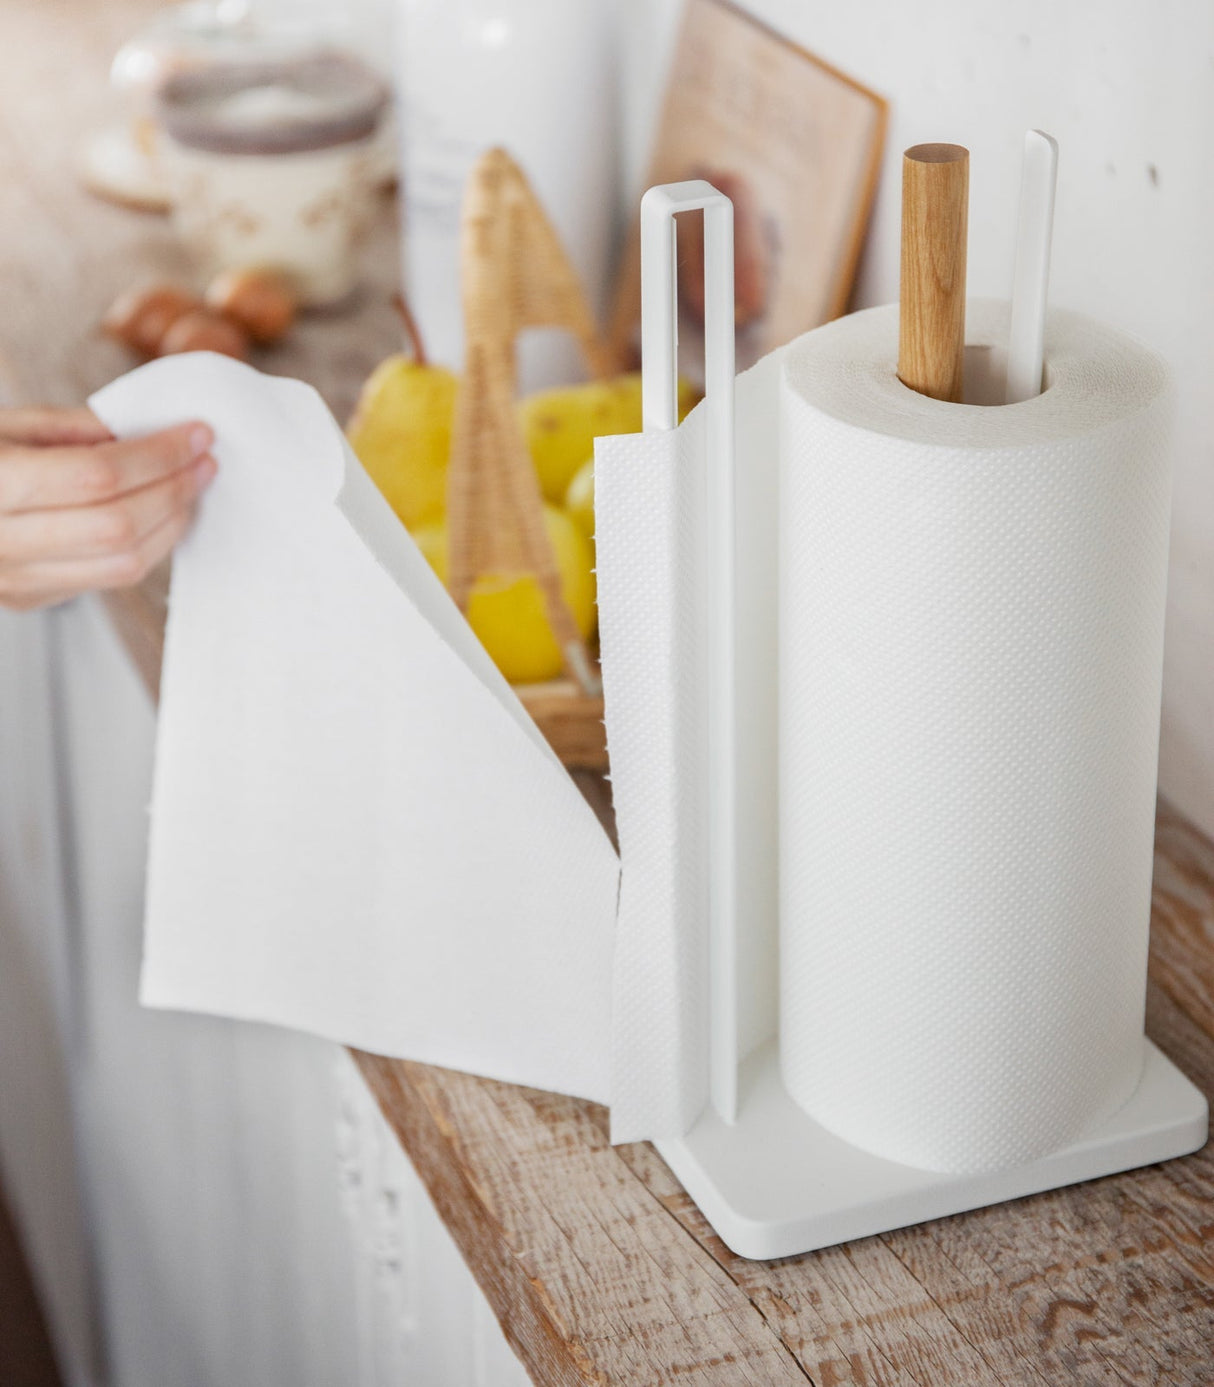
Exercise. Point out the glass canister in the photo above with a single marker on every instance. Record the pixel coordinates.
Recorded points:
(271, 165)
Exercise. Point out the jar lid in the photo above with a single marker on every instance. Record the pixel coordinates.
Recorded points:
(200, 33)
(273, 107)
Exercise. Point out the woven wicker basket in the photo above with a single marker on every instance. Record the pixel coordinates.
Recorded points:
(516, 275)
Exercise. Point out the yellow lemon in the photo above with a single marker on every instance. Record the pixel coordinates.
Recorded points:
(401, 433)
(507, 610)
(579, 499)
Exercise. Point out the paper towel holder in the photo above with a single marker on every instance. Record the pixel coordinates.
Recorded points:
(771, 1180)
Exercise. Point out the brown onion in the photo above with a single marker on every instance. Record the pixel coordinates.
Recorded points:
(261, 301)
(141, 317)
(204, 331)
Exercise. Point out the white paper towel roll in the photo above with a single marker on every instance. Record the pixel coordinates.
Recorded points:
(972, 604)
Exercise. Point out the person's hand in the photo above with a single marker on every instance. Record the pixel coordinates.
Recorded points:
(80, 509)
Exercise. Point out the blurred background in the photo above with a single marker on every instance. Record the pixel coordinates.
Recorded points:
(199, 1202)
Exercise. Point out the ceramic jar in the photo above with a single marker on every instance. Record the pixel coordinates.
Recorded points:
(271, 164)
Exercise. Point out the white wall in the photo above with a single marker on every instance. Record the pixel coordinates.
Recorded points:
(1127, 88)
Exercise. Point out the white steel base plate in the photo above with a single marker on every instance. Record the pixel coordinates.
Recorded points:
(778, 1183)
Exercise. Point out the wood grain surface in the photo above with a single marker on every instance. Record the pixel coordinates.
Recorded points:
(599, 1267)
(935, 227)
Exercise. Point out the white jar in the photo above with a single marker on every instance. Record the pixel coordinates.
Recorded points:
(272, 166)
(538, 79)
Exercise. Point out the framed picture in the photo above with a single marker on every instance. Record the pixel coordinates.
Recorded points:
(796, 145)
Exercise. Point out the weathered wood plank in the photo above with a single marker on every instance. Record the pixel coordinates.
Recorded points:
(1102, 1282)
(589, 1279)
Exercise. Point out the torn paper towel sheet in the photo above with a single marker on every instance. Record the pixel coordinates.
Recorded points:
(356, 828)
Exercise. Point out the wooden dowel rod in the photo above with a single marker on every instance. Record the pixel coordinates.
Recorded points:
(935, 216)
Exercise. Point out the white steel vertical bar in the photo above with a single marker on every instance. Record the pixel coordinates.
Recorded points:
(659, 345)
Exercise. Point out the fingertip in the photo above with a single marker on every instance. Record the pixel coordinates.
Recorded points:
(206, 467)
(200, 438)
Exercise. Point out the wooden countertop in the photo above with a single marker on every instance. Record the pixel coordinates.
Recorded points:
(598, 1265)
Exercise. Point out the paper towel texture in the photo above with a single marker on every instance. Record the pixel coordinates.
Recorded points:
(653, 664)
(650, 503)
(972, 611)
(356, 828)
(961, 773)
